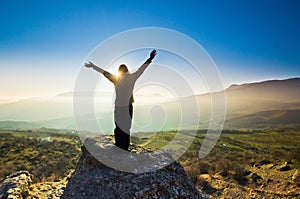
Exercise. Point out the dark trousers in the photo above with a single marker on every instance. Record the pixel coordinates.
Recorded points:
(123, 118)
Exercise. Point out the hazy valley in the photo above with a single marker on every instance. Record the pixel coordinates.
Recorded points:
(255, 105)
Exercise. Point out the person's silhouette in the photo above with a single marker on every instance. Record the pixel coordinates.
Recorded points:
(124, 83)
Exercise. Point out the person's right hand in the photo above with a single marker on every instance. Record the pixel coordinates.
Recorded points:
(152, 54)
(89, 65)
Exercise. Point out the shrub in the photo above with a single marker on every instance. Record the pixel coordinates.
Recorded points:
(205, 167)
(223, 166)
(204, 185)
(193, 172)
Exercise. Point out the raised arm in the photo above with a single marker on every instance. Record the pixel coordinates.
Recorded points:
(108, 75)
(142, 68)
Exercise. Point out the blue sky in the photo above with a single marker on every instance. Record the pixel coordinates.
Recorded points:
(43, 43)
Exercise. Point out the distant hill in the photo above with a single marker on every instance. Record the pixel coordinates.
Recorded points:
(264, 119)
(255, 105)
(264, 104)
(280, 90)
(19, 125)
(263, 95)
(252, 105)
(259, 96)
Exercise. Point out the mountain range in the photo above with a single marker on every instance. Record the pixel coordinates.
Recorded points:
(263, 104)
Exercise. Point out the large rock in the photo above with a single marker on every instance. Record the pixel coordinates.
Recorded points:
(16, 185)
(94, 179)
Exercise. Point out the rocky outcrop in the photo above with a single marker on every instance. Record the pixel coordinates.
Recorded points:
(16, 185)
(94, 179)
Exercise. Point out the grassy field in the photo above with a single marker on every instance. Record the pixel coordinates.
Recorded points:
(47, 154)
(243, 164)
(258, 163)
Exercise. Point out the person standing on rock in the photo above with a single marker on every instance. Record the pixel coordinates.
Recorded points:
(124, 84)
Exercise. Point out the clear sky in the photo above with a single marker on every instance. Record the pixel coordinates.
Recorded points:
(43, 43)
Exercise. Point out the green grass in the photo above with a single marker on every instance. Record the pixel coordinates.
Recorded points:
(46, 155)
(235, 153)
(272, 143)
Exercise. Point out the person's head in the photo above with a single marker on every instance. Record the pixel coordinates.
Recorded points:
(123, 69)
